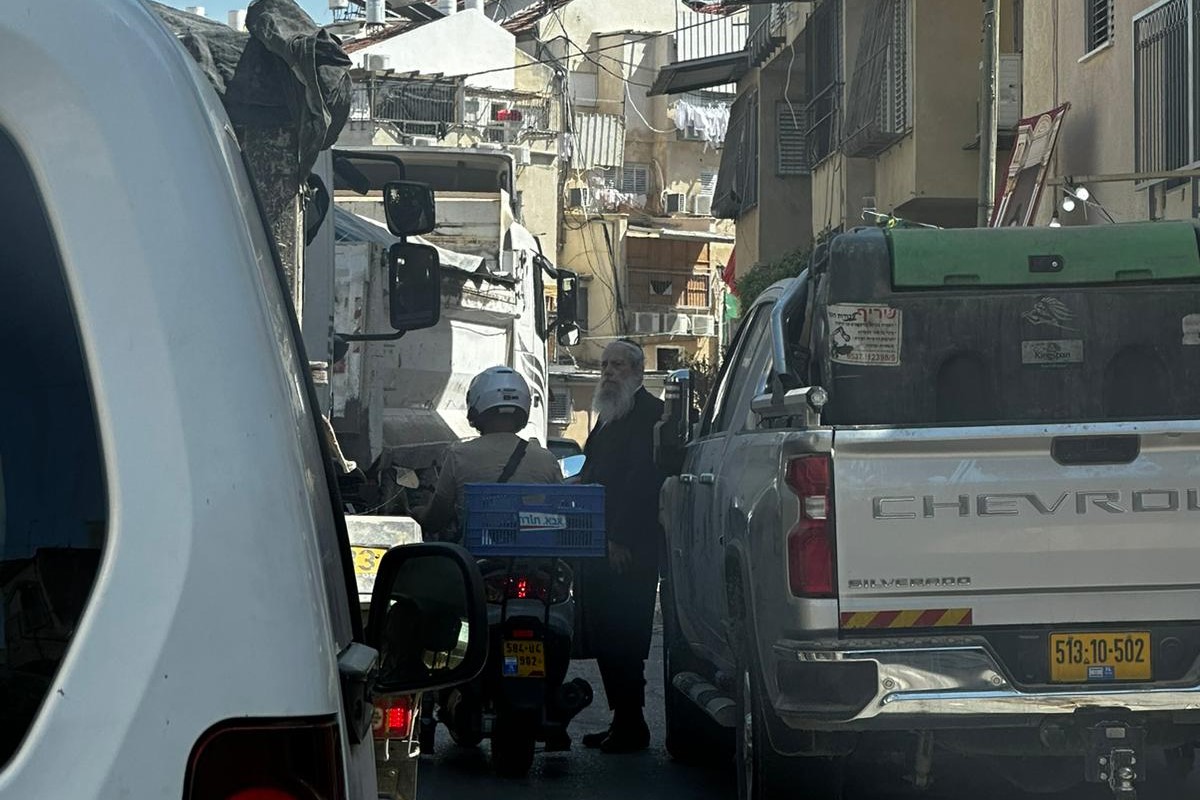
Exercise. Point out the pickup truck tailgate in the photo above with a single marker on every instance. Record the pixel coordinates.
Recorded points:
(1024, 525)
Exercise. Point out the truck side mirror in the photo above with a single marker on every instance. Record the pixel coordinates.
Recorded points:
(414, 286)
(673, 432)
(409, 208)
(428, 619)
(568, 297)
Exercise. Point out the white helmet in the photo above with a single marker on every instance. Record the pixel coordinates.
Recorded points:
(497, 387)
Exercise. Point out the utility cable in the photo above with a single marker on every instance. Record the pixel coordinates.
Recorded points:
(644, 38)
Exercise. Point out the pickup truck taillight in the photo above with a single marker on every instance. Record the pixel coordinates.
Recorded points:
(284, 759)
(810, 542)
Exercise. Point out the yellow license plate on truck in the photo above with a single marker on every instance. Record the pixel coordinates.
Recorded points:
(1099, 657)
(524, 659)
(366, 559)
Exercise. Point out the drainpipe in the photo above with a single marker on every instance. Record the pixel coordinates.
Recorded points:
(988, 111)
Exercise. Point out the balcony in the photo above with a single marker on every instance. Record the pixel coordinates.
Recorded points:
(768, 32)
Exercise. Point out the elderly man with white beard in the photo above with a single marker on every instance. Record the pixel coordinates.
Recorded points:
(617, 594)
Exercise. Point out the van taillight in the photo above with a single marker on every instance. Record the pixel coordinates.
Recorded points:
(267, 760)
(393, 717)
(810, 542)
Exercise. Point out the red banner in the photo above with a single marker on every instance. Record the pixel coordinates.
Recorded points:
(729, 273)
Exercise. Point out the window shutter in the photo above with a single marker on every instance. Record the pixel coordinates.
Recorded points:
(791, 129)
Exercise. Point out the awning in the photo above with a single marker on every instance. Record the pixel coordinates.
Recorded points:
(699, 73)
(637, 232)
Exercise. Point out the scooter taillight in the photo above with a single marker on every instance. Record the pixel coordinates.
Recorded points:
(553, 585)
(524, 587)
(393, 717)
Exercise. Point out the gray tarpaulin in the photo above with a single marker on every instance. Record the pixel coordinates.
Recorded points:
(286, 87)
(286, 72)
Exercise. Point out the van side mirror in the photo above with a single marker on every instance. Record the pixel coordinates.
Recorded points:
(672, 433)
(414, 286)
(428, 619)
(409, 208)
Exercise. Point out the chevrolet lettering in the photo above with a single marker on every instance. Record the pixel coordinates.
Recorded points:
(1010, 504)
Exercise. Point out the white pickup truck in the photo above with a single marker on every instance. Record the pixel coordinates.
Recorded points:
(945, 497)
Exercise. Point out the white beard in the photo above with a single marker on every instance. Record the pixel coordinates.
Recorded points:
(613, 401)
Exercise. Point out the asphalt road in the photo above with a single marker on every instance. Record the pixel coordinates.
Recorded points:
(452, 773)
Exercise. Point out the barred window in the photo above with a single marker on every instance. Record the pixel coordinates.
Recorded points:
(1164, 104)
(1098, 24)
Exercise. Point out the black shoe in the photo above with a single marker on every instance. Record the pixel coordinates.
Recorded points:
(596, 739)
(631, 737)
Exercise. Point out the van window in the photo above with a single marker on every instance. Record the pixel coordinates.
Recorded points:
(53, 507)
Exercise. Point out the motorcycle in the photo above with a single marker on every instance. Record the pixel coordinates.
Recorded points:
(522, 696)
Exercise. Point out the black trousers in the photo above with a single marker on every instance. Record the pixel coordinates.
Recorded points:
(618, 620)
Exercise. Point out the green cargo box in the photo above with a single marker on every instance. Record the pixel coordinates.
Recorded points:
(899, 339)
(1093, 254)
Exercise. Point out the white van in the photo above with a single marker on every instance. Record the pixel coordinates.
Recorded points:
(180, 617)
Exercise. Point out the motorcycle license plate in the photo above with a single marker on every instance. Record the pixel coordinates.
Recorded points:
(524, 659)
(1099, 657)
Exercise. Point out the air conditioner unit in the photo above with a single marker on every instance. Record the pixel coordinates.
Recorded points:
(424, 141)
(676, 202)
(702, 205)
(703, 325)
(377, 62)
(677, 323)
(521, 155)
(645, 322)
(579, 197)
(1008, 89)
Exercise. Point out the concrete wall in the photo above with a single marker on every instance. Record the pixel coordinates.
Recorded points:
(1097, 136)
(463, 43)
(784, 203)
(581, 19)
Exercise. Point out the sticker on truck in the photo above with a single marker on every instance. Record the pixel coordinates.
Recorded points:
(1052, 352)
(864, 335)
(1191, 329)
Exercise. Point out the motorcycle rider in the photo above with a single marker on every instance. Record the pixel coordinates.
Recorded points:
(498, 403)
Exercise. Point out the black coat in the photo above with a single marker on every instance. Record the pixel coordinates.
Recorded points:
(617, 610)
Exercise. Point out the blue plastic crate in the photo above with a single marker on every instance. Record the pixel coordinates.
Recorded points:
(513, 519)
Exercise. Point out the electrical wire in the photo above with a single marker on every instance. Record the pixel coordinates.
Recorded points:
(638, 111)
(570, 43)
(644, 38)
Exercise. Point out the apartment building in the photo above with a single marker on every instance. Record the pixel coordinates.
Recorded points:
(1131, 137)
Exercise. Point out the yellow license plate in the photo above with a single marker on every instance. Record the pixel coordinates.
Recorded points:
(1099, 657)
(366, 559)
(524, 659)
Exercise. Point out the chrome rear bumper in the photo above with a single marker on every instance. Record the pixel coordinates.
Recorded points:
(947, 680)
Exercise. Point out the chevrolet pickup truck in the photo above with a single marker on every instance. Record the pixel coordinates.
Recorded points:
(945, 498)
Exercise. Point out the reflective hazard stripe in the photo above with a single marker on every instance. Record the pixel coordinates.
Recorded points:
(912, 618)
